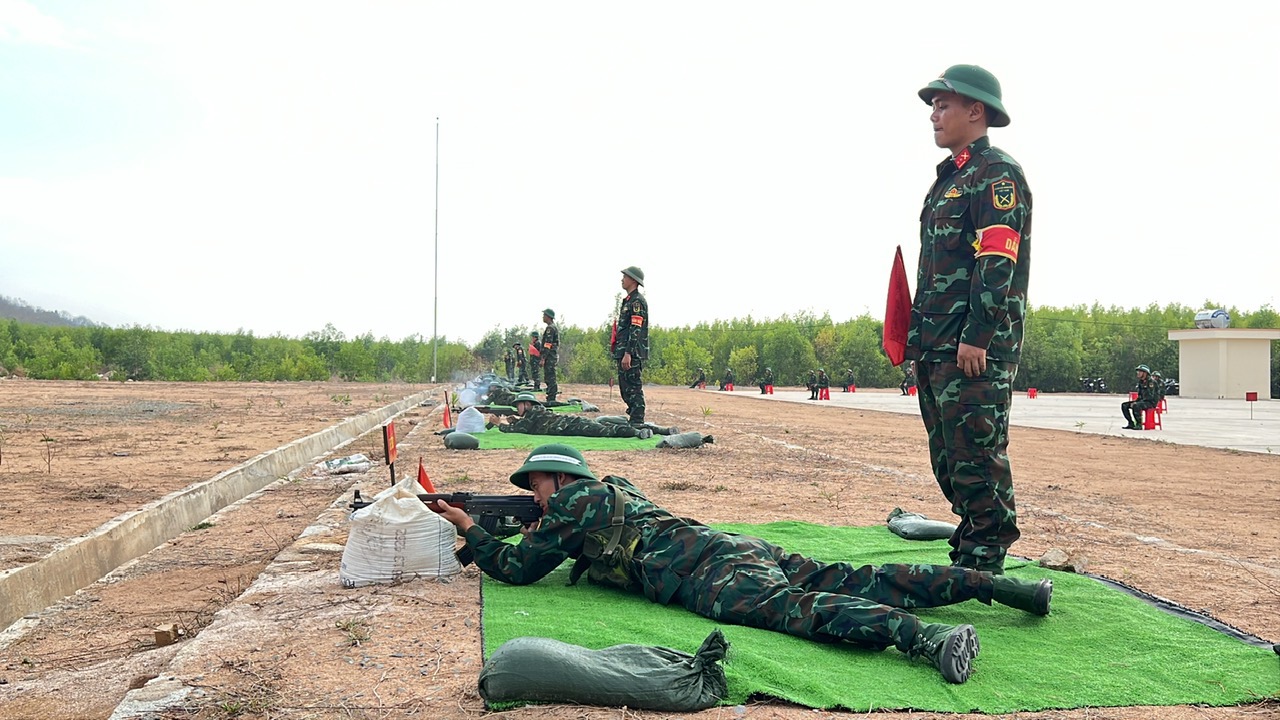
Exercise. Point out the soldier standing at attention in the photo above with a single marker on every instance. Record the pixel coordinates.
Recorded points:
(630, 343)
(812, 385)
(535, 360)
(967, 316)
(509, 360)
(550, 353)
(523, 375)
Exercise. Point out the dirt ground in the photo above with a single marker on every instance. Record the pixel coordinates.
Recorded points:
(1194, 525)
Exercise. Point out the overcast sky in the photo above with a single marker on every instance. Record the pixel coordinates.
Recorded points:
(271, 166)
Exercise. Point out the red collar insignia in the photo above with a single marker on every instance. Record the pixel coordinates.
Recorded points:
(961, 159)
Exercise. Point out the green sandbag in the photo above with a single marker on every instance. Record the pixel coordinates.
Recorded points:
(913, 526)
(690, 439)
(461, 441)
(536, 669)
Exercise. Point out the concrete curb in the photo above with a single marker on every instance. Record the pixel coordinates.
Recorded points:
(82, 561)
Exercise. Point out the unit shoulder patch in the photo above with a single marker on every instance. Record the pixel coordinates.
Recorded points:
(1004, 194)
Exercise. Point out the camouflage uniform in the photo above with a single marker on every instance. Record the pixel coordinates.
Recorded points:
(702, 378)
(824, 382)
(538, 420)
(848, 379)
(509, 360)
(499, 395)
(813, 385)
(971, 287)
(523, 375)
(535, 361)
(908, 379)
(1148, 397)
(733, 578)
(551, 356)
(766, 380)
(632, 336)
(727, 380)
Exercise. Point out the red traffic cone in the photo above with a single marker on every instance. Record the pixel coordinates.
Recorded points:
(423, 480)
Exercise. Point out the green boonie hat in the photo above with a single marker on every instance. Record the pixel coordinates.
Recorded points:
(974, 83)
(1143, 368)
(549, 313)
(634, 273)
(527, 397)
(552, 459)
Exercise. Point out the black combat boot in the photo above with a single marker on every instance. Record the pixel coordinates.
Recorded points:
(1033, 597)
(950, 648)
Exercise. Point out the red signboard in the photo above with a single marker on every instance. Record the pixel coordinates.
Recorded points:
(1251, 396)
(389, 442)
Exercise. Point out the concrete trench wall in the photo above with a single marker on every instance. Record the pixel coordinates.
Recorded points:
(84, 560)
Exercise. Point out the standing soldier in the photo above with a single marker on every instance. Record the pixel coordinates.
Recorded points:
(848, 379)
(550, 353)
(967, 316)
(523, 375)
(535, 360)
(509, 360)
(908, 378)
(630, 343)
(813, 385)
(824, 383)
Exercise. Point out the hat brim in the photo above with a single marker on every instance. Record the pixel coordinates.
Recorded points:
(520, 478)
(998, 116)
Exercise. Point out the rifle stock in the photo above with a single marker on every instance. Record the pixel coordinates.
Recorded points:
(499, 515)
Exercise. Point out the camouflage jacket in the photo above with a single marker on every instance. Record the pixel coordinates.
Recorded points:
(537, 420)
(670, 547)
(633, 327)
(975, 258)
(823, 380)
(551, 343)
(1148, 392)
(519, 356)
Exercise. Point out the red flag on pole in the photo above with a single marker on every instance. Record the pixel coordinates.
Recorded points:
(423, 480)
(897, 312)
(448, 416)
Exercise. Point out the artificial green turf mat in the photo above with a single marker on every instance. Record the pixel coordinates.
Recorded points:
(1099, 646)
(495, 439)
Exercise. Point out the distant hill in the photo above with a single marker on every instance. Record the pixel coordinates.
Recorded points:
(22, 312)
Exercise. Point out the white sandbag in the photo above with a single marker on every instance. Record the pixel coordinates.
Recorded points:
(470, 421)
(357, 463)
(397, 538)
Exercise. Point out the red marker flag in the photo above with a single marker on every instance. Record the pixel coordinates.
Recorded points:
(423, 480)
(897, 312)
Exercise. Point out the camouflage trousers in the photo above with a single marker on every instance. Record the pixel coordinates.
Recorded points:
(967, 420)
(1133, 409)
(535, 371)
(632, 390)
(586, 427)
(523, 376)
(752, 582)
(510, 366)
(549, 370)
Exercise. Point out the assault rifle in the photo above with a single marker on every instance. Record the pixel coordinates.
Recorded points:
(500, 515)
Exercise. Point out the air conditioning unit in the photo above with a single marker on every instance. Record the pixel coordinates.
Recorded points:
(1213, 319)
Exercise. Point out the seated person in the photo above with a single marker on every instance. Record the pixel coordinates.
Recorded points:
(1148, 398)
(765, 380)
(534, 419)
(734, 578)
(727, 380)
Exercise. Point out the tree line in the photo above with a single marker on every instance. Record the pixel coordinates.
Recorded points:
(1062, 345)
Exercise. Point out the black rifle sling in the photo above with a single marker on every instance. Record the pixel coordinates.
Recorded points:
(615, 535)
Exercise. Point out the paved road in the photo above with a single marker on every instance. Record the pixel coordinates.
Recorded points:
(1232, 424)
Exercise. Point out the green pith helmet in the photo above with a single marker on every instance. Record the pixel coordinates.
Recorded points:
(634, 273)
(974, 83)
(1143, 368)
(1156, 374)
(549, 313)
(527, 397)
(553, 459)
(533, 335)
